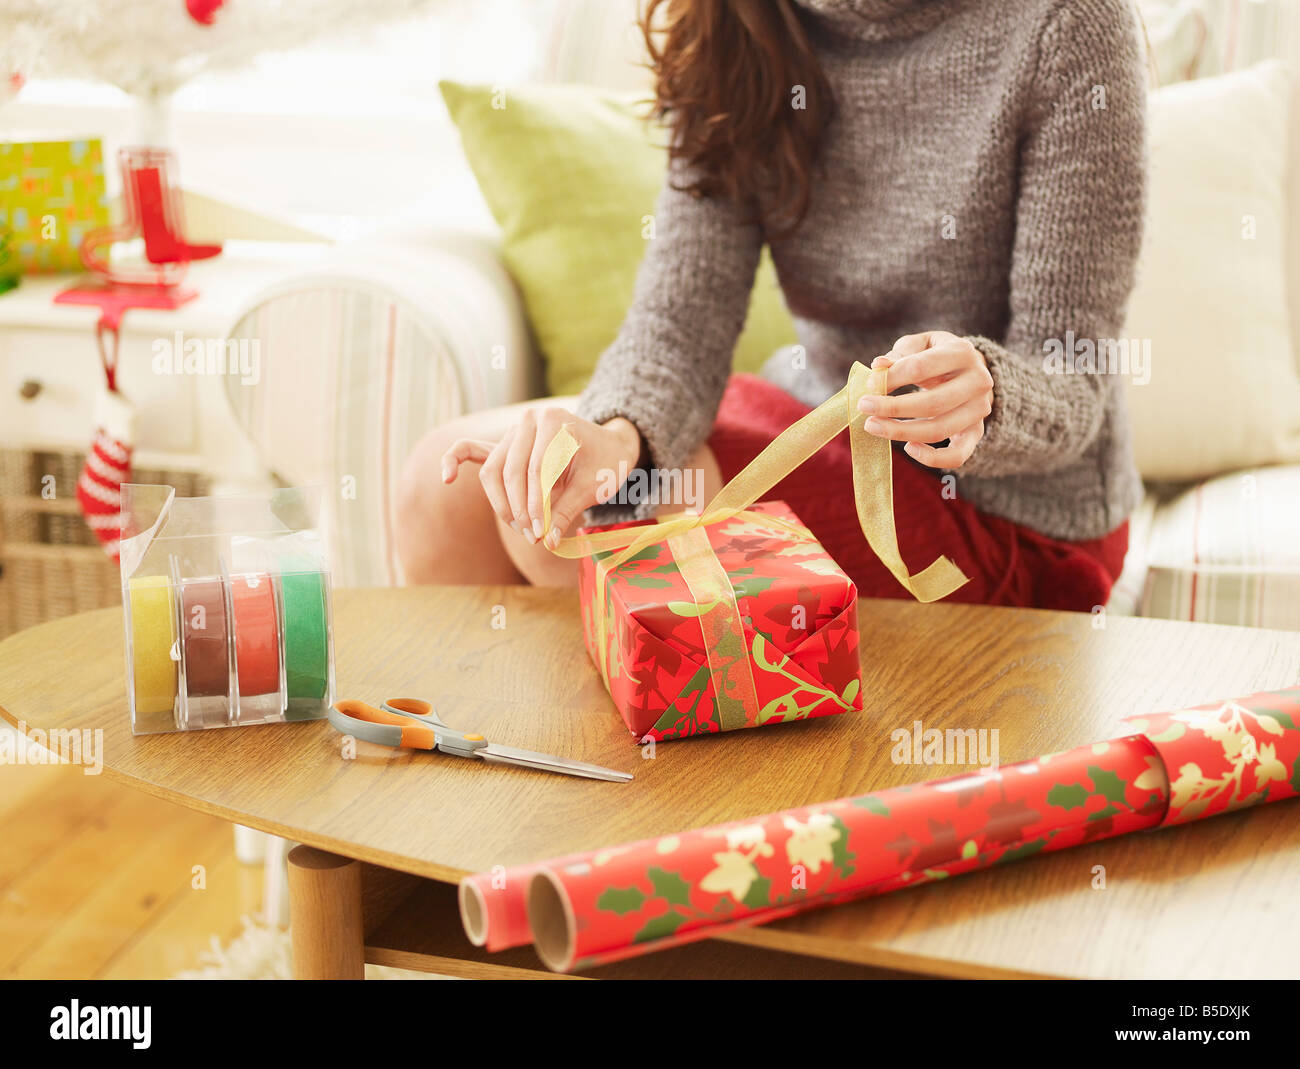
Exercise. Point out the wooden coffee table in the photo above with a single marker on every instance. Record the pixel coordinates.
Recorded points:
(387, 834)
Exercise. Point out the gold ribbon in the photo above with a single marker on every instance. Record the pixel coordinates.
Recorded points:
(714, 597)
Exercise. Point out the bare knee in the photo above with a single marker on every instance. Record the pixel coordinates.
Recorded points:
(446, 532)
(423, 503)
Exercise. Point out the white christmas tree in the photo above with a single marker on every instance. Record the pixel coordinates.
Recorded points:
(149, 48)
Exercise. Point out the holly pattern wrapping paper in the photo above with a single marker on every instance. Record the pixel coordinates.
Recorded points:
(677, 888)
(1228, 755)
(798, 612)
(606, 905)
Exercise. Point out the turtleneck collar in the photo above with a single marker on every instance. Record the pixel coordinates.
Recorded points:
(877, 20)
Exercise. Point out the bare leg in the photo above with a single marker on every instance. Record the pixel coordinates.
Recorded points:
(449, 534)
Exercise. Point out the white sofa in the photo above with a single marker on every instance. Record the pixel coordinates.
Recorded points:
(394, 335)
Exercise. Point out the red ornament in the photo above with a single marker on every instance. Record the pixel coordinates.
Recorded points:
(152, 197)
(204, 12)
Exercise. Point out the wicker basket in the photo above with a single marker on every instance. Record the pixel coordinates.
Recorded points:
(45, 582)
(50, 563)
(17, 475)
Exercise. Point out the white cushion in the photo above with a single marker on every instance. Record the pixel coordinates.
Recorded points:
(1126, 595)
(1211, 297)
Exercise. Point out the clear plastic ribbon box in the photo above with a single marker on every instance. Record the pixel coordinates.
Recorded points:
(227, 609)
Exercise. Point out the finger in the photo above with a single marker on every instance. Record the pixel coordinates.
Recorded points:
(514, 474)
(958, 450)
(939, 360)
(548, 426)
(928, 402)
(884, 363)
(464, 451)
(489, 476)
(575, 498)
(909, 344)
(930, 430)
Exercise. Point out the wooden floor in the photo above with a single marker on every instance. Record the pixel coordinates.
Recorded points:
(97, 880)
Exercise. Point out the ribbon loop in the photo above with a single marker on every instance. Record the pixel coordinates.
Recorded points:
(873, 493)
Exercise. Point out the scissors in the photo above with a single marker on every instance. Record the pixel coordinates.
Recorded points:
(411, 722)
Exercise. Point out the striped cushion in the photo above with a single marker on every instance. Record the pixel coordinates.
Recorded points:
(1228, 552)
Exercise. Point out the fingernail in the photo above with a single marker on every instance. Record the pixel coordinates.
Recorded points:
(553, 539)
(537, 530)
(868, 404)
(872, 425)
(529, 537)
(514, 526)
(446, 471)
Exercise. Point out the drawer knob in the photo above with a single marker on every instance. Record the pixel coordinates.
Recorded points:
(29, 389)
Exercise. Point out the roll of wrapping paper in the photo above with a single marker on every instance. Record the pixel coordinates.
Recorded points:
(306, 635)
(494, 905)
(611, 904)
(153, 634)
(204, 638)
(495, 915)
(257, 635)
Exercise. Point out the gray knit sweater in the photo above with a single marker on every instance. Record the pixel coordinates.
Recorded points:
(983, 174)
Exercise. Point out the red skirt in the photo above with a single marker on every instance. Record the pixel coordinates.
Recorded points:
(1008, 564)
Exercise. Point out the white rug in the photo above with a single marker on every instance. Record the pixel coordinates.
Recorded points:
(260, 952)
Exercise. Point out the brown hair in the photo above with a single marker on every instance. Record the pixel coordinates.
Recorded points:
(726, 77)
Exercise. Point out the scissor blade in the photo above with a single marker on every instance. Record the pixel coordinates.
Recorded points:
(510, 755)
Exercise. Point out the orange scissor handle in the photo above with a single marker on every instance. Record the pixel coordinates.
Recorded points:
(414, 706)
(414, 735)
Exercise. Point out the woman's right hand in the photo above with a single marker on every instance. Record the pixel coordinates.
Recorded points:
(511, 469)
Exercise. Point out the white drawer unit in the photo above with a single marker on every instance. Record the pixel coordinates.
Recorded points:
(49, 378)
(50, 370)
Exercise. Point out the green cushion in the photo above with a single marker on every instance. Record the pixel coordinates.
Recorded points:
(570, 173)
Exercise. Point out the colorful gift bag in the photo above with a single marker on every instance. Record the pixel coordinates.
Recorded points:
(799, 627)
(10, 269)
(736, 617)
(51, 195)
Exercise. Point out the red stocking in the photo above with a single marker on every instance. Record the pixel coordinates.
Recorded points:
(108, 466)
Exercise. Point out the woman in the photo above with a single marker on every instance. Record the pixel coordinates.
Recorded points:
(952, 188)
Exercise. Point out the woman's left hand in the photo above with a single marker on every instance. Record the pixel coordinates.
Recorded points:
(955, 395)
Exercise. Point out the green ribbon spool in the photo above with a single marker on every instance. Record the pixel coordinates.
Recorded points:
(306, 638)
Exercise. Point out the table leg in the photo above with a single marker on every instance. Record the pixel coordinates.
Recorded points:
(325, 915)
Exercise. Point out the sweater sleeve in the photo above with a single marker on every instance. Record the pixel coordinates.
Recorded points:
(1078, 232)
(667, 368)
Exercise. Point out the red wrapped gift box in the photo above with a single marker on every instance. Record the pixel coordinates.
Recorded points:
(798, 612)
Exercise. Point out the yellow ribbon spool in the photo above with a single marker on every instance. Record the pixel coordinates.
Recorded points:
(873, 492)
(153, 633)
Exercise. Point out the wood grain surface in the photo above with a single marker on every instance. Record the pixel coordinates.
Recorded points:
(1208, 900)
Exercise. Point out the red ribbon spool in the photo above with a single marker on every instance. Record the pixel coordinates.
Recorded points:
(257, 638)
